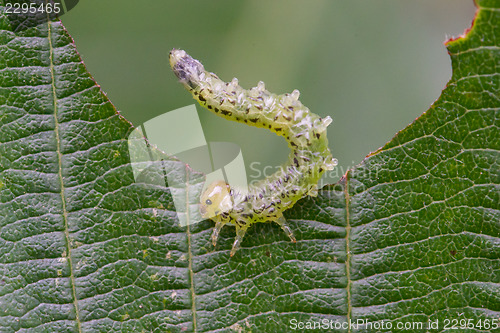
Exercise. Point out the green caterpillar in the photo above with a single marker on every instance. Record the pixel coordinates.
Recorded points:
(284, 115)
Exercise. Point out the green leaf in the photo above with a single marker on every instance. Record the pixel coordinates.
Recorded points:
(411, 235)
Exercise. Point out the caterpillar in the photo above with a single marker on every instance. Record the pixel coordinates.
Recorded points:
(284, 115)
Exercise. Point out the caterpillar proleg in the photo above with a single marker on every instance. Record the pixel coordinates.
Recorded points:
(284, 115)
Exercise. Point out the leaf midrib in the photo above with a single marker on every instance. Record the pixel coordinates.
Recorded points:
(60, 175)
(190, 256)
(348, 251)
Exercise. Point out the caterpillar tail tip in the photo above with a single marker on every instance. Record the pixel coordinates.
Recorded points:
(175, 55)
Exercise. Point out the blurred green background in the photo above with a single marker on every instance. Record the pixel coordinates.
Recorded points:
(373, 66)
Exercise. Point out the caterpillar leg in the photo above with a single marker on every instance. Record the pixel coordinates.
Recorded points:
(282, 222)
(313, 192)
(216, 232)
(237, 242)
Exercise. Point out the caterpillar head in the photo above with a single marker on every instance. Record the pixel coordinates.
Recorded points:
(216, 199)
